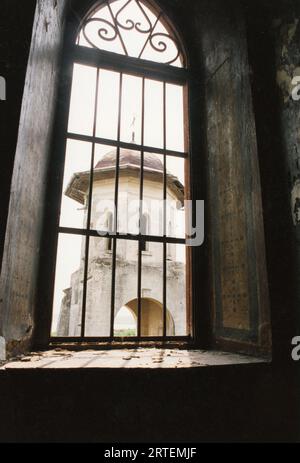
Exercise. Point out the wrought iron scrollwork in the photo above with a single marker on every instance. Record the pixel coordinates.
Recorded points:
(129, 23)
(161, 43)
(104, 31)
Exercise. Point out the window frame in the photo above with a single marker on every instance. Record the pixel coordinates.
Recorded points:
(73, 53)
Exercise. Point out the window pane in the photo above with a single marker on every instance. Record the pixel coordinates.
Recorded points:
(126, 278)
(76, 184)
(175, 204)
(129, 191)
(131, 109)
(108, 105)
(176, 287)
(152, 290)
(153, 193)
(103, 202)
(154, 113)
(98, 302)
(175, 118)
(67, 304)
(82, 107)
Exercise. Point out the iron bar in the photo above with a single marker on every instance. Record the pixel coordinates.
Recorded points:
(129, 65)
(125, 145)
(121, 236)
(139, 324)
(165, 214)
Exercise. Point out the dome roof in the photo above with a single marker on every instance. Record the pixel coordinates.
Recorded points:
(130, 157)
(129, 165)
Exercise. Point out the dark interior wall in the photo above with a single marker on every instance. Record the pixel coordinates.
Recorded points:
(250, 403)
(286, 30)
(25, 219)
(15, 40)
(275, 33)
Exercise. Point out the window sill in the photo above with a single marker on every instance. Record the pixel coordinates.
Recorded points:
(142, 358)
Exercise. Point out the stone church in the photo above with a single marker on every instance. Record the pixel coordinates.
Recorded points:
(100, 256)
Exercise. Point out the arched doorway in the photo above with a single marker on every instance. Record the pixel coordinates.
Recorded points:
(151, 322)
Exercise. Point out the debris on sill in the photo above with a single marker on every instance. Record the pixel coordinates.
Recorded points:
(127, 358)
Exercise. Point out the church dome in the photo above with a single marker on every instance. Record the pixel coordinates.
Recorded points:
(130, 158)
(130, 162)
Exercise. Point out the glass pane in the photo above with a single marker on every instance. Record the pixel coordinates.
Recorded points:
(82, 106)
(67, 304)
(176, 288)
(154, 114)
(175, 203)
(152, 290)
(102, 216)
(98, 301)
(76, 184)
(126, 280)
(175, 118)
(129, 191)
(131, 119)
(108, 105)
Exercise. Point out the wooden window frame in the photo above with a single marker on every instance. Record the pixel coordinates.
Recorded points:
(198, 316)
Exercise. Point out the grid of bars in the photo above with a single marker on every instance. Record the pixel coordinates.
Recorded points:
(165, 75)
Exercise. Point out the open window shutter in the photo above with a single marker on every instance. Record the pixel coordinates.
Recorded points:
(239, 285)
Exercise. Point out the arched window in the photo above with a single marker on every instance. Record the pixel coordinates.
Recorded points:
(125, 140)
(131, 28)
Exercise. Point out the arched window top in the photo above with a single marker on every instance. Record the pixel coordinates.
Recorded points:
(132, 28)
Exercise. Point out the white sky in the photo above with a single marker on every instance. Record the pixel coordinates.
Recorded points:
(78, 154)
